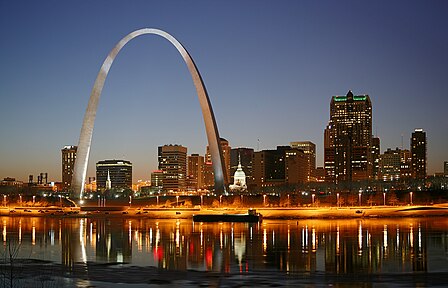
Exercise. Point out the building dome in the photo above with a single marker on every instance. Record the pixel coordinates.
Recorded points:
(239, 178)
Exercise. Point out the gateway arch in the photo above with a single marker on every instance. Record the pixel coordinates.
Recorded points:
(85, 139)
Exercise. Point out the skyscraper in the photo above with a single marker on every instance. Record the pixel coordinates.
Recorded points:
(173, 163)
(309, 148)
(114, 174)
(348, 139)
(195, 171)
(418, 154)
(68, 163)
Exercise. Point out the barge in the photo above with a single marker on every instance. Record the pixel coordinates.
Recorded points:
(251, 217)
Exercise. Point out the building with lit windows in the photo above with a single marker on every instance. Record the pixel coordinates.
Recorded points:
(173, 164)
(68, 164)
(418, 154)
(376, 157)
(309, 148)
(348, 139)
(390, 165)
(406, 164)
(269, 167)
(113, 174)
(195, 172)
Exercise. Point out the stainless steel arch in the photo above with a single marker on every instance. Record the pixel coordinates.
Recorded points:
(85, 139)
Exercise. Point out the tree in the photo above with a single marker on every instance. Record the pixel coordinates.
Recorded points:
(352, 199)
(392, 199)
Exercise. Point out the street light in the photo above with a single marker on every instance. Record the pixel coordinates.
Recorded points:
(177, 200)
(264, 200)
(337, 199)
(34, 199)
(410, 193)
(130, 201)
(157, 200)
(4, 200)
(359, 198)
(202, 200)
(312, 198)
(220, 199)
(20, 197)
(288, 201)
(384, 198)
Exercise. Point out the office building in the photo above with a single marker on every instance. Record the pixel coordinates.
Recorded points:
(376, 157)
(418, 154)
(269, 167)
(390, 165)
(309, 148)
(348, 139)
(173, 163)
(195, 172)
(68, 164)
(406, 164)
(445, 168)
(113, 174)
(296, 167)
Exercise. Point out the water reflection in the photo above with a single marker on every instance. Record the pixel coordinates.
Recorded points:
(330, 246)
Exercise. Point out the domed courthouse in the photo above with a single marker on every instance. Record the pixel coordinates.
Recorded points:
(239, 179)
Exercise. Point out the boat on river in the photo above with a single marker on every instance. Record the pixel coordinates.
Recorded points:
(251, 217)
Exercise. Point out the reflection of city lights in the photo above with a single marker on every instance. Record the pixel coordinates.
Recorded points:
(385, 237)
(289, 239)
(419, 237)
(177, 238)
(360, 237)
(265, 240)
(220, 238)
(398, 238)
(81, 241)
(20, 231)
(4, 230)
(411, 236)
(33, 234)
(313, 239)
(337, 240)
(202, 235)
(130, 233)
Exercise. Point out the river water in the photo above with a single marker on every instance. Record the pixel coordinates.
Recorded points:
(404, 251)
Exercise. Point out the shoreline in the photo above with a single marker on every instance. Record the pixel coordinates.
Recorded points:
(289, 213)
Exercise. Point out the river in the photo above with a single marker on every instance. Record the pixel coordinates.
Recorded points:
(382, 251)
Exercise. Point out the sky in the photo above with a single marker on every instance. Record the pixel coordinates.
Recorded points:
(270, 68)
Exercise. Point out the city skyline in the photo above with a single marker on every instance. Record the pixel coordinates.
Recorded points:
(265, 65)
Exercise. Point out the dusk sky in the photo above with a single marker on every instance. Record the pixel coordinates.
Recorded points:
(270, 68)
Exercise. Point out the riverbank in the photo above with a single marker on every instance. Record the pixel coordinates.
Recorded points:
(268, 213)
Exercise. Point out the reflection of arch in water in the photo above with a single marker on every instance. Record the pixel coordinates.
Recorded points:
(85, 139)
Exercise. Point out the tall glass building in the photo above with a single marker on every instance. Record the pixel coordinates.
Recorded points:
(348, 139)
